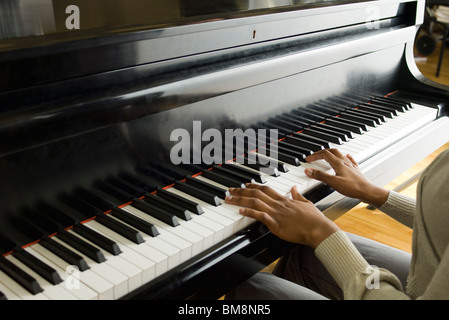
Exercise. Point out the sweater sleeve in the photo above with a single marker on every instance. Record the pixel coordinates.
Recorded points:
(400, 207)
(357, 279)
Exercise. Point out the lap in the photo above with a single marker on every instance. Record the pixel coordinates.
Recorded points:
(300, 275)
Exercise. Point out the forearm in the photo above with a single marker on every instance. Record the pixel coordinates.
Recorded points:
(400, 208)
(353, 273)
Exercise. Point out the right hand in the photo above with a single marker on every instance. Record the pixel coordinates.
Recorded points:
(348, 179)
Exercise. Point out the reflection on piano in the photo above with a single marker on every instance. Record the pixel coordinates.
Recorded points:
(93, 208)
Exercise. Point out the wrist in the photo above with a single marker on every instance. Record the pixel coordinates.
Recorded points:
(375, 196)
(322, 233)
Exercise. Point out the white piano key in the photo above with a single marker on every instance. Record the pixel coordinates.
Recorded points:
(115, 269)
(184, 246)
(81, 291)
(18, 290)
(104, 288)
(10, 295)
(159, 259)
(53, 292)
(138, 255)
(224, 209)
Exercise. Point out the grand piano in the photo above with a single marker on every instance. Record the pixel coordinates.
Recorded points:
(93, 205)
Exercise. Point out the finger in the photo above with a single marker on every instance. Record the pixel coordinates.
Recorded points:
(250, 192)
(248, 202)
(261, 216)
(296, 195)
(265, 189)
(352, 160)
(332, 156)
(319, 175)
(337, 153)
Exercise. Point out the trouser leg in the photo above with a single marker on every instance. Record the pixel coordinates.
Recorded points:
(300, 275)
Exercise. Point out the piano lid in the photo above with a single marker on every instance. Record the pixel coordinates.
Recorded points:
(82, 18)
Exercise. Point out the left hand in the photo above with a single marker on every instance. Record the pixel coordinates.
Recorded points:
(295, 220)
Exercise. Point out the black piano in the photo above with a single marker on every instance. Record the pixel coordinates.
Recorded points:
(98, 198)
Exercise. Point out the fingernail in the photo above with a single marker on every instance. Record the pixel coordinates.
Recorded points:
(308, 172)
(228, 198)
(242, 211)
(231, 189)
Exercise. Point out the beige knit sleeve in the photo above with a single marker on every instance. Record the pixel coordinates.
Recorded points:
(353, 273)
(400, 207)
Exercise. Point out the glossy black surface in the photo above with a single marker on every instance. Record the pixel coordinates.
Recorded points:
(90, 118)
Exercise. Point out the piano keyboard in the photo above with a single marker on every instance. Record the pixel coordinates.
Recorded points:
(116, 253)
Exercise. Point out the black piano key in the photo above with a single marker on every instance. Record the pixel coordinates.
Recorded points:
(92, 198)
(258, 177)
(360, 113)
(168, 206)
(20, 276)
(180, 201)
(302, 151)
(359, 119)
(232, 174)
(135, 221)
(334, 105)
(82, 246)
(256, 165)
(345, 126)
(380, 117)
(222, 179)
(122, 229)
(362, 126)
(384, 106)
(56, 215)
(389, 105)
(160, 177)
(82, 209)
(6, 244)
(307, 137)
(332, 128)
(380, 111)
(140, 181)
(156, 212)
(114, 192)
(198, 193)
(23, 232)
(41, 268)
(324, 136)
(2, 296)
(396, 104)
(40, 221)
(126, 186)
(219, 192)
(281, 124)
(65, 253)
(343, 137)
(329, 111)
(297, 141)
(175, 171)
(303, 117)
(291, 150)
(295, 122)
(281, 131)
(281, 167)
(287, 158)
(321, 115)
(97, 239)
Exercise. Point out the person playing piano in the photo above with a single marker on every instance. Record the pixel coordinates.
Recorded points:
(330, 263)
